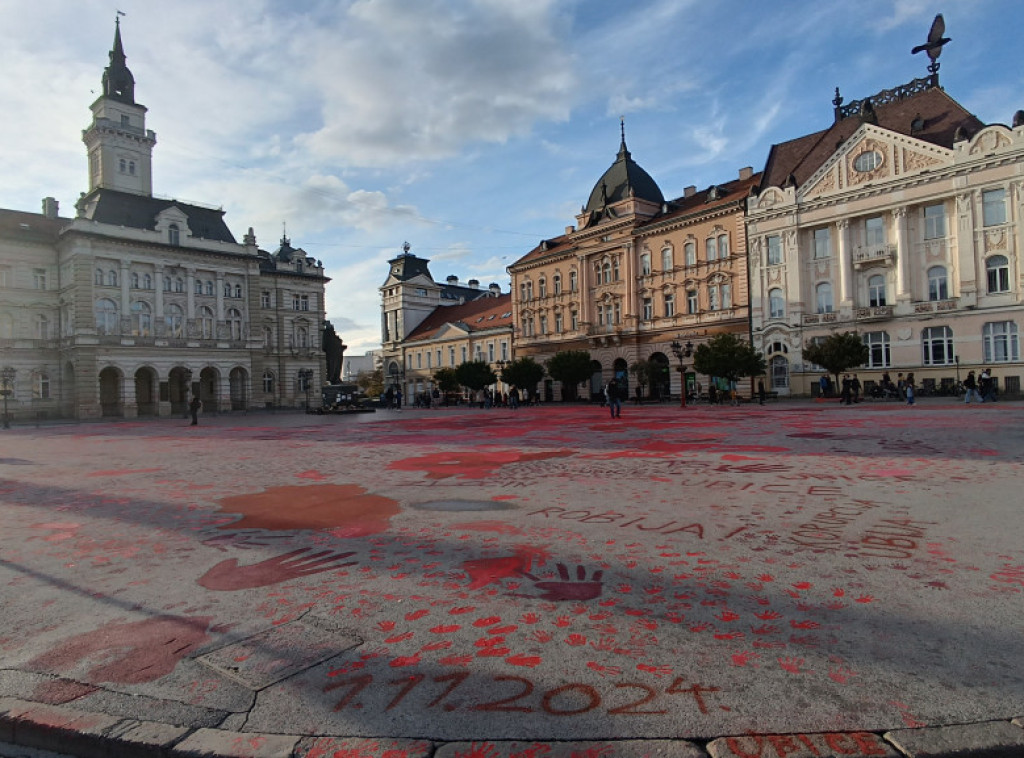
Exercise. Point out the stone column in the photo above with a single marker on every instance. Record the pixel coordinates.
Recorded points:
(845, 266)
(903, 293)
(190, 293)
(220, 296)
(159, 274)
(584, 293)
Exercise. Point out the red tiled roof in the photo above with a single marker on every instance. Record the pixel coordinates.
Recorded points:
(801, 157)
(476, 315)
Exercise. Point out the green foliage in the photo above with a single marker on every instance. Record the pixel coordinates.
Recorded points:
(447, 380)
(571, 368)
(475, 375)
(728, 356)
(523, 373)
(644, 371)
(838, 352)
(371, 382)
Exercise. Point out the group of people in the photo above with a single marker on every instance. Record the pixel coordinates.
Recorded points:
(982, 388)
(484, 398)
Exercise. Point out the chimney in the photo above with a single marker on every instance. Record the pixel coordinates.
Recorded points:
(51, 208)
(494, 288)
(452, 279)
(690, 191)
(746, 172)
(474, 283)
(570, 229)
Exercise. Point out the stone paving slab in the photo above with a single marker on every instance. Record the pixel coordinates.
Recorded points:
(996, 739)
(619, 749)
(780, 574)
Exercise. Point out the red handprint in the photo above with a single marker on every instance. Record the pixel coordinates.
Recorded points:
(569, 589)
(228, 575)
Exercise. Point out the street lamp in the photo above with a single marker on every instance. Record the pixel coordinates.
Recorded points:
(306, 376)
(7, 389)
(681, 351)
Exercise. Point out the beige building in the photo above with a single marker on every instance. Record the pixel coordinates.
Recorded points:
(634, 274)
(900, 221)
(139, 302)
(428, 325)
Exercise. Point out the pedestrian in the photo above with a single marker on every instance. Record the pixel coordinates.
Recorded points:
(513, 399)
(823, 385)
(389, 398)
(712, 393)
(760, 391)
(398, 398)
(987, 386)
(855, 388)
(846, 393)
(193, 408)
(971, 389)
(901, 386)
(733, 393)
(909, 388)
(611, 396)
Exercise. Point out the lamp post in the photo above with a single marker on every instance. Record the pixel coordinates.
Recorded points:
(186, 374)
(956, 360)
(7, 389)
(681, 351)
(306, 376)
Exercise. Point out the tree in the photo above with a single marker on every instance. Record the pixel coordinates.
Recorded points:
(571, 368)
(447, 380)
(475, 375)
(523, 373)
(371, 382)
(837, 353)
(644, 371)
(728, 356)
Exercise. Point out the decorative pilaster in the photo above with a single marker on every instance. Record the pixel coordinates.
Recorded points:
(903, 293)
(845, 266)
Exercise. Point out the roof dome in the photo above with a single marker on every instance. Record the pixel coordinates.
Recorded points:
(623, 179)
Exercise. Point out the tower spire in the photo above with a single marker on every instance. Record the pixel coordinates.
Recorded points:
(118, 81)
(623, 150)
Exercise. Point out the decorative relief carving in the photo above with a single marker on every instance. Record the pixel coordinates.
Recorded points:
(995, 240)
(988, 141)
(827, 183)
(914, 161)
(899, 213)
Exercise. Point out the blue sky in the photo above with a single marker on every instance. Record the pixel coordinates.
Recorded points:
(470, 128)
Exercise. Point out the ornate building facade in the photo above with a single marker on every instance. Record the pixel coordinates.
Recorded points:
(900, 221)
(138, 302)
(634, 274)
(427, 325)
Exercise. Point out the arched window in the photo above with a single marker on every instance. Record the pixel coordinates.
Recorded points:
(41, 326)
(235, 324)
(779, 373)
(206, 323)
(723, 246)
(645, 264)
(268, 382)
(179, 285)
(556, 282)
(690, 253)
(606, 272)
(174, 320)
(997, 267)
(174, 235)
(199, 286)
(776, 304)
(209, 287)
(135, 281)
(937, 345)
(938, 289)
(542, 287)
(573, 281)
(711, 248)
(238, 290)
(529, 290)
(112, 278)
(106, 316)
(147, 282)
(876, 291)
(98, 276)
(666, 259)
(142, 319)
(823, 297)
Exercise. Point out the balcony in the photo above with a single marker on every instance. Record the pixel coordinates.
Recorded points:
(935, 306)
(875, 313)
(874, 255)
(821, 318)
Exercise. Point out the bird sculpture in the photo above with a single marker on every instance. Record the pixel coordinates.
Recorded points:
(935, 39)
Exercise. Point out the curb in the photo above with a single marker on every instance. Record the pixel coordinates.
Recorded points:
(97, 735)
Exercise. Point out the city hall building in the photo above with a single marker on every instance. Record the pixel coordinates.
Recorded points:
(139, 302)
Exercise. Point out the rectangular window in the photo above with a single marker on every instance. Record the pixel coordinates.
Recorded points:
(711, 248)
(451, 356)
(428, 360)
(463, 353)
(574, 320)
(670, 305)
(774, 250)
(648, 311)
(822, 243)
(304, 303)
(558, 322)
(878, 349)
(666, 259)
(690, 251)
(934, 222)
(874, 231)
(295, 302)
(504, 351)
(937, 345)
(1000, 341)
(713, 297)
(645, 265)
(490, 351)
(691, 301)
(438, 354)
(39, 278)
(41, 387)
(419, 360)
(993, 207)
(726, 290)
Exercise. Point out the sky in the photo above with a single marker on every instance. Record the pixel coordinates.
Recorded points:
(470, 128)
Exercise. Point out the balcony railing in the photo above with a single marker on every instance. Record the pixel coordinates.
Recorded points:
(935, 306)
(873, 313)
(872, 255)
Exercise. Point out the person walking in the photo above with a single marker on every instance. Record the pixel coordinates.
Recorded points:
(987, 386)
(760, 391)
(611, 396)
(193, 408)
(855, 388)
(909, 388)
(846, 393)
(971, 389)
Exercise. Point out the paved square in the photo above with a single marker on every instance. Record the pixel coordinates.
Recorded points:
(546, 574)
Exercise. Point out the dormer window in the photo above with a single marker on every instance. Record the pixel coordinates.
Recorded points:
(174, 235)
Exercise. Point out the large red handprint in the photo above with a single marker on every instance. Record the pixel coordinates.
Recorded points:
(569, 589)
(228, 575)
